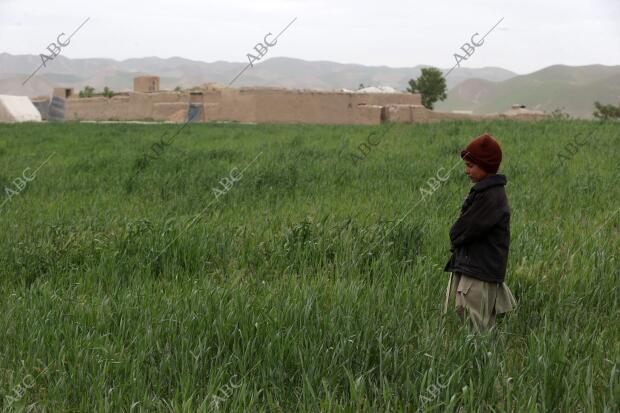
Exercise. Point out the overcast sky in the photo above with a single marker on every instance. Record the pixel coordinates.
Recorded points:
(397, 33)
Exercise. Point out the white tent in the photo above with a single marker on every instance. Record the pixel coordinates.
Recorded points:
(18, 109)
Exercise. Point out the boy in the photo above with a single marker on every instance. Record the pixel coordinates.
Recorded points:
(480, 239)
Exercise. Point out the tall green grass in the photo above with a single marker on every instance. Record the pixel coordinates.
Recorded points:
(314, 284)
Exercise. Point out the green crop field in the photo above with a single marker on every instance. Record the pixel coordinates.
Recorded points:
(278, 268)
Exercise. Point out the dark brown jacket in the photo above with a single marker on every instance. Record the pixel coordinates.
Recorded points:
(480, 238)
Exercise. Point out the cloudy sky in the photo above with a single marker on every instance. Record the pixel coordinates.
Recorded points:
(397, 33)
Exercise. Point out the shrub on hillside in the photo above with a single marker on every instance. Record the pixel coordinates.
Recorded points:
(606, 112)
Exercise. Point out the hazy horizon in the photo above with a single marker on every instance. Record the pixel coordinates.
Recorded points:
(395, 34)
(50, 67)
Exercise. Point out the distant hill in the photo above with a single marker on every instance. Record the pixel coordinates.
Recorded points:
(572, 88)
(176, 71)
(482, 90)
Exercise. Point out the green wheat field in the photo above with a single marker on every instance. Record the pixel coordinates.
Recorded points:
(312, 282)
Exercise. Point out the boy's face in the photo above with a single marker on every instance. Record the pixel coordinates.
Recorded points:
(474, 172)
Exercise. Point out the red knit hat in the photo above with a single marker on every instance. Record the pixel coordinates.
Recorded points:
(485, 152)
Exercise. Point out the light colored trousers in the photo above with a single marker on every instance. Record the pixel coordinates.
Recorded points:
(480, 299)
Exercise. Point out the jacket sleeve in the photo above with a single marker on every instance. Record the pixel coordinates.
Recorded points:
(477, 220)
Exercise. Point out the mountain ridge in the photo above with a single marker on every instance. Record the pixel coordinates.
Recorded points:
(480, 90)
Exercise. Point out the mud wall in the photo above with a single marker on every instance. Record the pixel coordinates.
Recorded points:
(418, 113)
(128, 107)
(265, 105)
(256, 105)
(146, 84)
(292, 106)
